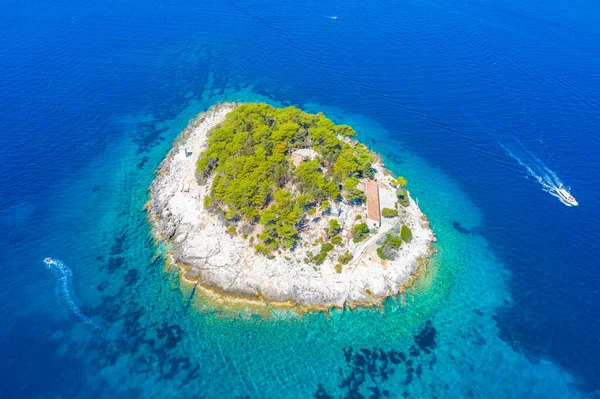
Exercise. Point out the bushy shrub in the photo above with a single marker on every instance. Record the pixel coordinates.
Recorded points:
(326, 247)
(337, 240)
(231, 215)
(345, 258)
(333, 228)
(208, 202)
(261, 249)
(405, 233)
(389, 212)
(359, 232)
(389, 247)
(319, 258)
(322, 255)
(352, 193)
(402, 196)
(345, 130)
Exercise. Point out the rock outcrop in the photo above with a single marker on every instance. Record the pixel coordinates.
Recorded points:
(200, 245)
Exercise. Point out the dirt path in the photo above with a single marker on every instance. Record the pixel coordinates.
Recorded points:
(367, 244)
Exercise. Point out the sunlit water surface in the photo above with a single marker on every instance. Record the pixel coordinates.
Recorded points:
(477, 104)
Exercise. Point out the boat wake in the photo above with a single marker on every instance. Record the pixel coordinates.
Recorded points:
(64, 289)
(538, 170)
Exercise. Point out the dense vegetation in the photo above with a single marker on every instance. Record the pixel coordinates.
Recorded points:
(333, 228)
(401, 193)
(360, 231)
(249, 156)
(391, 242)
(405, 233)
(389, 212)
(402, 196)
(389, 247)
(401, 181)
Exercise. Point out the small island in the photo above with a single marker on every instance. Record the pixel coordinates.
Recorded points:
(275, 205)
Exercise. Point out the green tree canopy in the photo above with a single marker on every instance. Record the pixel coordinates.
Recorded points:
(253, 178)
(360, 231)
(280, 219)
(405, 233)
(389, 212)
(389, 247)
(333, 228)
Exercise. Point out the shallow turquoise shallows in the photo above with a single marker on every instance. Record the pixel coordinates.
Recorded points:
(482, 107)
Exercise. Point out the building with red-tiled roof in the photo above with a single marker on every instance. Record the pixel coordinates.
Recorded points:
(373, 211)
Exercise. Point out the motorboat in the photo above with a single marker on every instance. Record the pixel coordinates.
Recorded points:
(566, 197)
(48, 261)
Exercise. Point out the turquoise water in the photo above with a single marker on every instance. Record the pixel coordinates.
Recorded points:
(438, 339)
(95, 94)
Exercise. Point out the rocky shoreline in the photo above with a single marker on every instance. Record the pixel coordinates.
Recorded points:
(228, 268)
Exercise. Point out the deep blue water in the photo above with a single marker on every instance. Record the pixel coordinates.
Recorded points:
(92, 94)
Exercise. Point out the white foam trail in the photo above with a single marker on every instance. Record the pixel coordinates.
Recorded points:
(63, 288)
(537, 169)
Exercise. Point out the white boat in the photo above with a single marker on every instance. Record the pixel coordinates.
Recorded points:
(334, 17)
(566, 197)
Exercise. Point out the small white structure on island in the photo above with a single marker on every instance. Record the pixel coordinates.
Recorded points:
(299, 156)
(387, 197)
(373, 210)
(183, 151)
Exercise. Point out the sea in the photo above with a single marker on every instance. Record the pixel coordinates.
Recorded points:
(485, 107)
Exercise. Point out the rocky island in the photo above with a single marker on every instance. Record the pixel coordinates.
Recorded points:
(275, 205)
